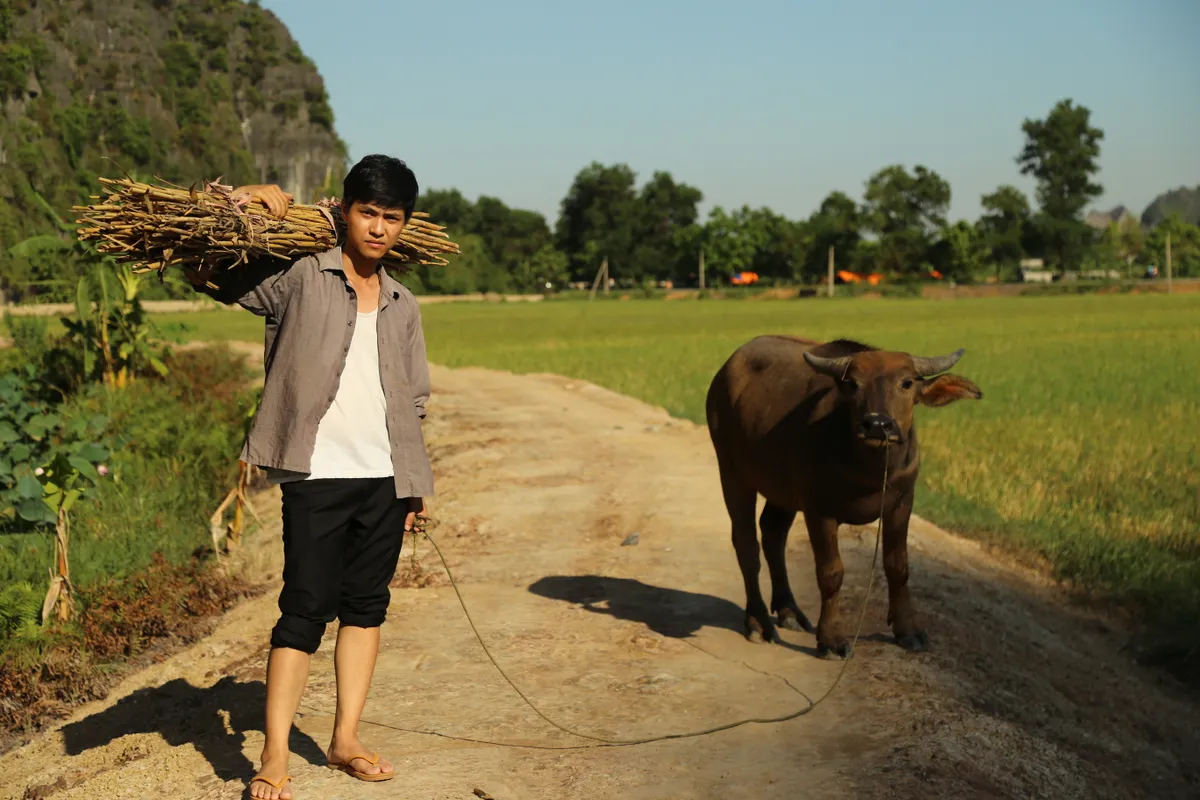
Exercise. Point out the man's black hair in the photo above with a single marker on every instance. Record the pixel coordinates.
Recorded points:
(382, 180)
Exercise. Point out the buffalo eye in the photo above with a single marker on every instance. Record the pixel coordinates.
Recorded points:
(907, 384)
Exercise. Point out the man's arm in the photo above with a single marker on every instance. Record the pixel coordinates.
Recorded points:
(254, 286)
(418, 366)
(418, 378)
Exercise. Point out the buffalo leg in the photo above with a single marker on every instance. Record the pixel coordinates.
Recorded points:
(740, 502)
(822, 534)
(775, 523)
(901, 616)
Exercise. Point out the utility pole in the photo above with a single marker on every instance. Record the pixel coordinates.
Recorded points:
(702, 269)
(601, 274)
(1168, 263)
(831, 270)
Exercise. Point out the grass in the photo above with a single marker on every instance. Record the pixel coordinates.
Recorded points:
(140, 554)
(175, 456)
(1084, 451)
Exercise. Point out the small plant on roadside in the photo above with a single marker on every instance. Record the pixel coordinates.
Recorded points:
(47, 464)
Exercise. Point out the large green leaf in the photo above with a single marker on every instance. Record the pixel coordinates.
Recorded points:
(105, 294)
(8, 433)
(94, 452)
(159, 366)
(62, 224)
(83, 303)
(70, 499)
(30, 487)
(34, 510)
(20, 452)
(39, 245)
(77, 427)
(10, 390)
(40, 424)
(84, 467)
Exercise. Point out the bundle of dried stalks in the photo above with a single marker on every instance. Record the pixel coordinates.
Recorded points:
(154, 227)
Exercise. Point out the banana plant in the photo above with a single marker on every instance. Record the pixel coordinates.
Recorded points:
(114, 334)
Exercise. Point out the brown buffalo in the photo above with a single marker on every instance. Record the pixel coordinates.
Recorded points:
(809, 426)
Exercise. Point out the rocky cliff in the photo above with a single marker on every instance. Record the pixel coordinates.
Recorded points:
(1183, 201)
(183, 90)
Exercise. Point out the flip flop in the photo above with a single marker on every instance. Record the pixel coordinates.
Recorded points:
(373, 759)
(267, 781)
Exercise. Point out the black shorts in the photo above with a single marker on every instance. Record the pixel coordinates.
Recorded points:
(341, 542)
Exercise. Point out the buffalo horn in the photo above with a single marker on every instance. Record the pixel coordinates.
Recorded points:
(933, 366)
(834, 367)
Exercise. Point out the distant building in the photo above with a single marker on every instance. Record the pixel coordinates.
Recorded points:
(1100, 220)
(1033, 270)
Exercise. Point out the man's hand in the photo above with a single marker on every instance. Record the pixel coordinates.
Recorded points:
(417, 518)
(275, 199)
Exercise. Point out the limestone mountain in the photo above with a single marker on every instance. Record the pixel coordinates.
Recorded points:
(182, 90)
(1182, 201)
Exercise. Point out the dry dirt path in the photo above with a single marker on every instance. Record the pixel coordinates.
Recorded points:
(540, 481)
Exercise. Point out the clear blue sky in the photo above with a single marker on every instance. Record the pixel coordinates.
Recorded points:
(763, 102)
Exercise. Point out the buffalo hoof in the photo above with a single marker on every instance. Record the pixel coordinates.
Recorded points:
(837, 649)
(915, 642)
(793, 619)
(760, 630)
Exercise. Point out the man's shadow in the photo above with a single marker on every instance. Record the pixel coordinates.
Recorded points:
(675, 613)
(184, 714)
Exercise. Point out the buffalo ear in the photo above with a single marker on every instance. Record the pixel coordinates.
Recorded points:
(945, 389)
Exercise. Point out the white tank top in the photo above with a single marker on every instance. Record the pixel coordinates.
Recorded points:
(352, 438)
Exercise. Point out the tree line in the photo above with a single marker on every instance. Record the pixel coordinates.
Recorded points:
(898, 229)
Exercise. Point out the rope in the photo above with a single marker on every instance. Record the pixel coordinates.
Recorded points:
(605, 742)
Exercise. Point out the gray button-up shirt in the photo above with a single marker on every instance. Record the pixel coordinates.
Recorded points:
(310, 310)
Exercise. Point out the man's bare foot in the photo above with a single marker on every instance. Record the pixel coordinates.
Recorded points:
(272, 781)
(351, 752)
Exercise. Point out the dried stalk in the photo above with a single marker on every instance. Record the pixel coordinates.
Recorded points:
(60, 596)
(154, 227)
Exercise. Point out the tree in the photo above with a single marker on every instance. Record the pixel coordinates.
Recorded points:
(598, 218)
(666, 214)
(905, 211)
(471, 270)
(961, 252)
(448, 207)
(732, 241)
(837, 224)
(510, 235)
(502, 239)
(1185, 247)
(784, 245)
(1004, 226)
(545, 271)
(1121, 241)
(1060, 153)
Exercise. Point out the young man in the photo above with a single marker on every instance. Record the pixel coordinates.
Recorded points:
(339, 428)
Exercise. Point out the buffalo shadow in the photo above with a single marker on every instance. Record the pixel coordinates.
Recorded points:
(675, 613)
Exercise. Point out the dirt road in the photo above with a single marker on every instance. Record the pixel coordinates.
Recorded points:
(541, 479)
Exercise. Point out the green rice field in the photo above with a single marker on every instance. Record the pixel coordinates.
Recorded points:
(1084, 453)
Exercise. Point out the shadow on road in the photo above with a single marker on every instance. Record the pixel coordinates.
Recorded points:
(676, 613)
(213, 720)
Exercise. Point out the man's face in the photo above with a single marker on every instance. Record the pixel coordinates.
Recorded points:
(372, 230)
